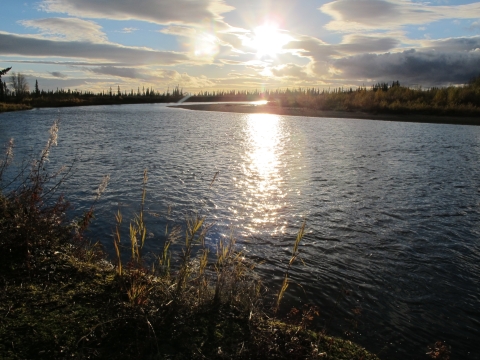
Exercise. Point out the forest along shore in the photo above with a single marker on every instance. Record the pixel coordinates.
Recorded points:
(300, 111)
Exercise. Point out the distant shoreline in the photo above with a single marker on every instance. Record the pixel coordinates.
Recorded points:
(296, 111)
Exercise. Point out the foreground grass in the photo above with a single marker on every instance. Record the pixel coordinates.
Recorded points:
(60, 298)
(68, 308)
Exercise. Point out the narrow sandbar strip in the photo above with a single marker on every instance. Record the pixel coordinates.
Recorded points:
(296, 111)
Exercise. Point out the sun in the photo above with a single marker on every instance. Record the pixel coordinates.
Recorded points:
(268, 40)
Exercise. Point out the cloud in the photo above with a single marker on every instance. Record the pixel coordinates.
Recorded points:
(12, 44)
(46, 83)
(452, 44)
(428, 68)
(58, 74)
(173, 77)
(289, 71)
(304, 45)
(231, 62)
(233, 39)
(178, 30)
(156, 78)
(64, 63)
(128, 30)
(321, 54)
(67, 29)
(155, 11)
(352, 44)
(371, 58)
(131, 73)
(351, 15)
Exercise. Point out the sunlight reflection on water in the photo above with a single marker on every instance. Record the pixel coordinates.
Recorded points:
(262, 179)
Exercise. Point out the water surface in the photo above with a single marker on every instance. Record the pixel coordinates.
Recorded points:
(392, 209)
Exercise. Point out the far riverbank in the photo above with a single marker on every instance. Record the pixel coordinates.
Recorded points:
(298, 111)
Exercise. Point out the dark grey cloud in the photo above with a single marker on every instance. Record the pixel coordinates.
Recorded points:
(377, 58)
(362, 11)
(156, 11)
(131, 73)
(428, 68)
(350, 15)
(453, 44)
(355, 44)
(58, 74)
(11, 44)
(64, 63)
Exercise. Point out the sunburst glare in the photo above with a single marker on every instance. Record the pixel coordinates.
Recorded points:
(206, 45)
(268, 40)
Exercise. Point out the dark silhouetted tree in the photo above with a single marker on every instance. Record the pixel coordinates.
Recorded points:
(4, 71)
(3, 86)
(37, 90)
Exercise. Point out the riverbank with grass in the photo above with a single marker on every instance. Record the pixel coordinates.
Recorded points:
(309, 112)
(62, 298)
(5, 107)
(31, 103)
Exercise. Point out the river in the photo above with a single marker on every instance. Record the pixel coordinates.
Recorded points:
(392, 249)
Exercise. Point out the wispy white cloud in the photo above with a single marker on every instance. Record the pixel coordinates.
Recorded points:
(128, 30)
(72, 29)
(178, 30)
(173, 77)
(155, 77)
(206, 45)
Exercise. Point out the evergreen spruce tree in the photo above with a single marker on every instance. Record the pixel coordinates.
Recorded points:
(4, 71)
(3, 86)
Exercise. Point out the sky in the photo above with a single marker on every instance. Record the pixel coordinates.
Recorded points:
(203, 45)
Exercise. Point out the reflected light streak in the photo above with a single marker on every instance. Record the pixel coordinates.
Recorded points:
(262, 161)
(259, 102)
(264, 138)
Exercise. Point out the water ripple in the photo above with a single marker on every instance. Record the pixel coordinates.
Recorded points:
(393, 209)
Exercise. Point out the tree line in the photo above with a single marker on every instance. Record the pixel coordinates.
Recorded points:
(381, 97)
(19, 90)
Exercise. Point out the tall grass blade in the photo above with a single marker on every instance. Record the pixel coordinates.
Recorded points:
(298, 239)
